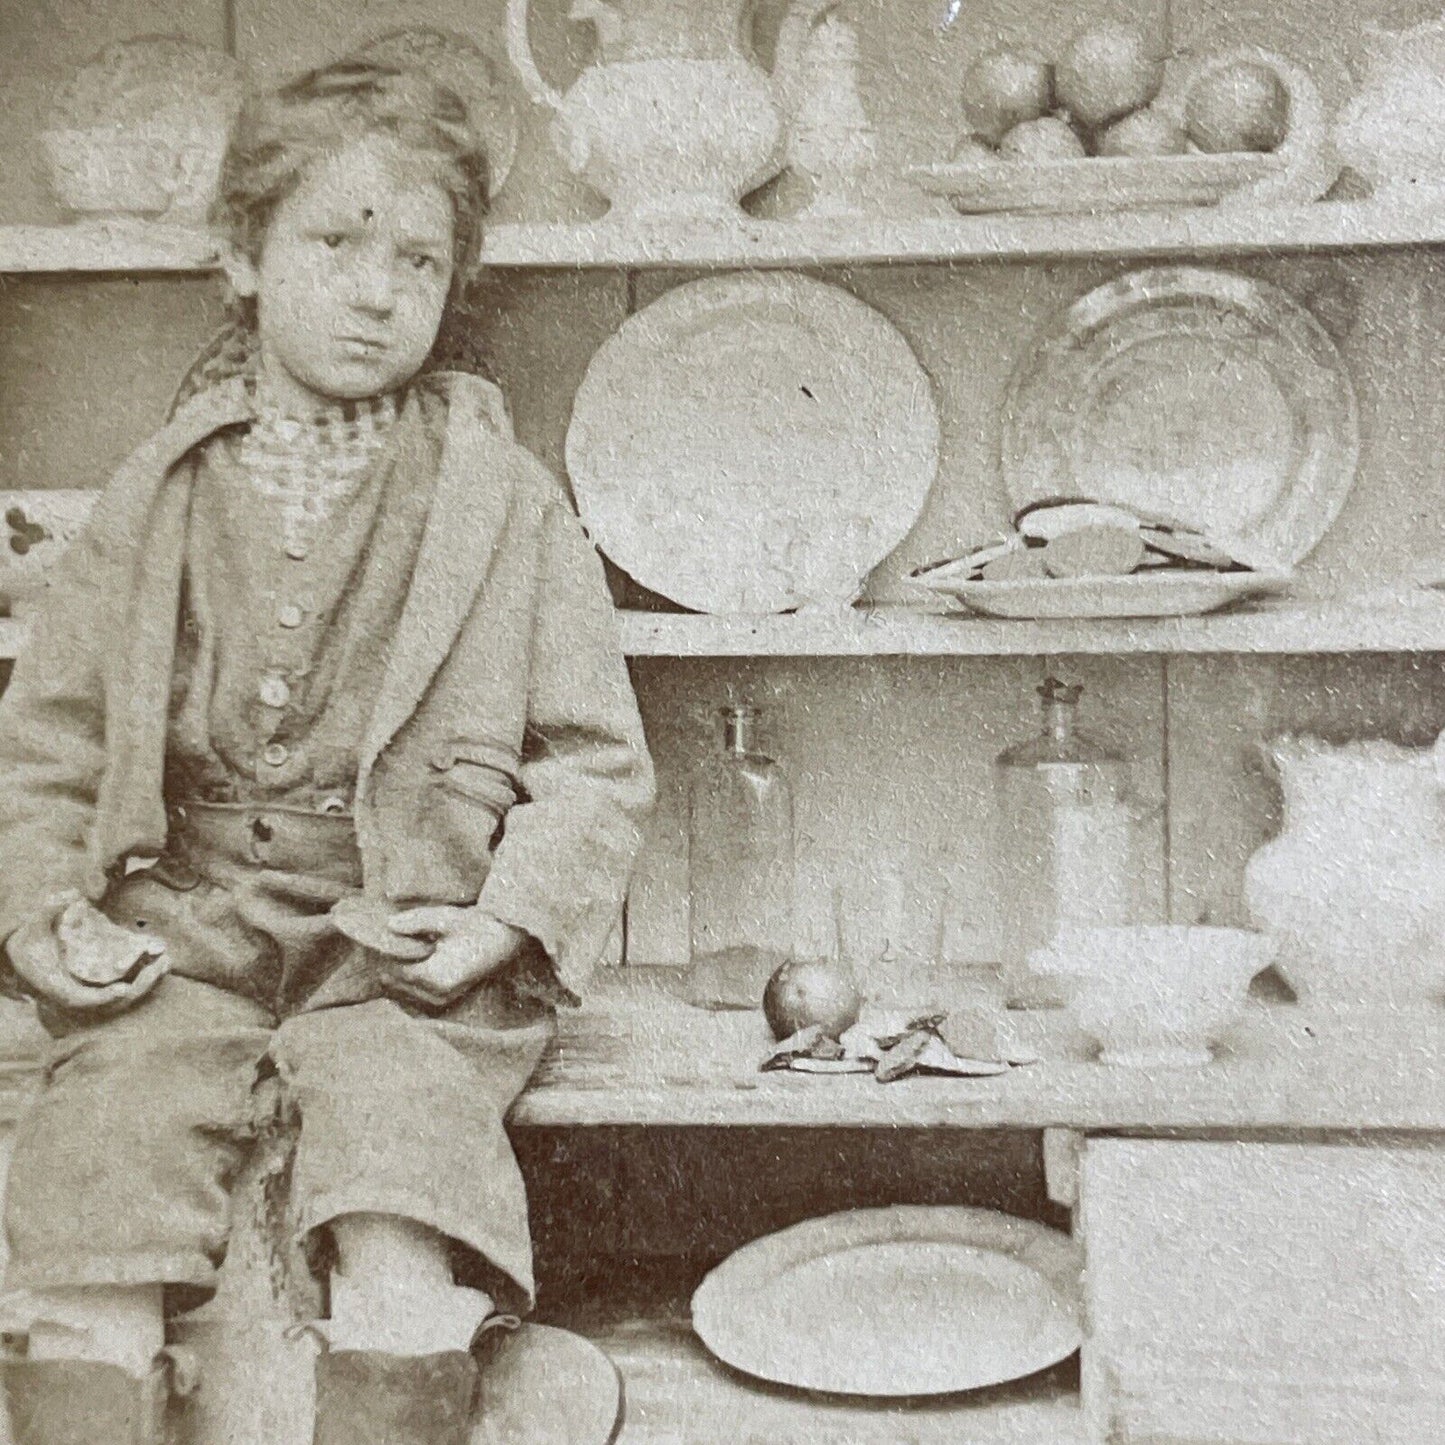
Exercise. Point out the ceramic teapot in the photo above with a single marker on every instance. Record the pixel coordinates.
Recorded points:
(674, 119)
(1393, 131)
(1353, 887)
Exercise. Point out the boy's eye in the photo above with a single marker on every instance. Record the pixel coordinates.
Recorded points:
(423, 261)
(332, 240)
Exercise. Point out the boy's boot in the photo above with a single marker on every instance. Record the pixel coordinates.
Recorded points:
(365, 1397)
(79, 1402)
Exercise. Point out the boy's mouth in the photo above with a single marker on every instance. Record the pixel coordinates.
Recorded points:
(362, 346)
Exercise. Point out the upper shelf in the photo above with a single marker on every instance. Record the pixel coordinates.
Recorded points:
(1412, 623)
(1202, 231)
(1392, 622)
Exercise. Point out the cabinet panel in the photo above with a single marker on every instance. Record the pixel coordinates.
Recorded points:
(88, 368)
(882, 754)
(1266, 1294)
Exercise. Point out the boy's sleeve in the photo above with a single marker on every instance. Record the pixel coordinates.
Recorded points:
(562, 867)
(52, 748)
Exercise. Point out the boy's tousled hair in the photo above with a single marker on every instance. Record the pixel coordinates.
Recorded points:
(280, 133)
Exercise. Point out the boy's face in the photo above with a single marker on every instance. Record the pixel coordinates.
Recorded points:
(353, 276)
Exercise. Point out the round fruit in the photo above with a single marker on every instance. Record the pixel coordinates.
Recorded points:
(1108, 71)
(1145, 133)
(1243, 106)
(807, 992)
(1004, 87)
(1048, 139)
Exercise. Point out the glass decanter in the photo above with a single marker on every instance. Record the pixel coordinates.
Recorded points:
(1066, 839)
(740, 856)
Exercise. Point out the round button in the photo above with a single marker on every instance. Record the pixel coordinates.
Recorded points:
(290, 615)
(274, 755)
(273, 691)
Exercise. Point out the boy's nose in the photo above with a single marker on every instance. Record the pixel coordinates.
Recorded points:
(372, 289)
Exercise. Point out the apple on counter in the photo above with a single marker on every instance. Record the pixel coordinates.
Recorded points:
(811, 993)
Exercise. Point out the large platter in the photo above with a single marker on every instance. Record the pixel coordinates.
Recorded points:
(752, 443)
(903, 1301)
(1097, 183)
(1158, 593)
(1194, 394)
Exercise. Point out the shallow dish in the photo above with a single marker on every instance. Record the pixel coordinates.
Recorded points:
(910, 1300)
(1157, 996)
(1198, 395)
(752, 443)
(1100, 183)
(1158, 593)
(141, 128)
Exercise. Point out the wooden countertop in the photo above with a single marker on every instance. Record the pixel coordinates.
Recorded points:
(636, 1054)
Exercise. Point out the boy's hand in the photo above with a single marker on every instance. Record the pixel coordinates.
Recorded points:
(54, 956)
(470, 945)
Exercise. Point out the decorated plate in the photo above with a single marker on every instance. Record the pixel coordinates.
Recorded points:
(1160, 593)
(753, 443)
(1193, 394)
(1096, 183)
(909, 1300)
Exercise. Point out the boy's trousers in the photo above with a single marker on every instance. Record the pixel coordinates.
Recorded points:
(123, 1166)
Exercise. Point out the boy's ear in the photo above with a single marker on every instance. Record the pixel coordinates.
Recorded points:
(240, 271)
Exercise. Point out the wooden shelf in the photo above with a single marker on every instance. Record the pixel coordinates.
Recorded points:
(1394, 625)
(1201, 231)
(119, 246)
(131, 246)
(677, 1394)
(1413, 622)
(635, 1054)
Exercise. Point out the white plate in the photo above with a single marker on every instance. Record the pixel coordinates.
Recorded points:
(1164, 593)
(910, 1300)
(1195, 394)
(750, 443)
(1098, 183)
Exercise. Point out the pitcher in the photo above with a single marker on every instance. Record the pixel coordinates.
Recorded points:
(675, 119)
(1354, 884)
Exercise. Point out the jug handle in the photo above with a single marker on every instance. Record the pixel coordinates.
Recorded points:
(519, 52)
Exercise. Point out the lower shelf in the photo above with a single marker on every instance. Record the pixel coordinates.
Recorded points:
(676, 1394)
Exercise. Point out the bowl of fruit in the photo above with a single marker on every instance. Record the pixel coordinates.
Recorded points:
(1112, 123)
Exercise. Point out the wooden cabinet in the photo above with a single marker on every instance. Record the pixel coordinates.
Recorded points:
(1265, 1293)
(1242, 1285)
